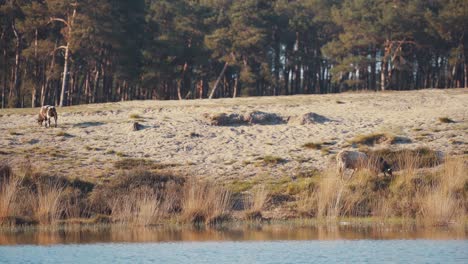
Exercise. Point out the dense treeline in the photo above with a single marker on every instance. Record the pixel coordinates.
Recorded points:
(68, 52)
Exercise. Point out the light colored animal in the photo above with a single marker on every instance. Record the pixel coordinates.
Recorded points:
(46, 113)
(348, 159)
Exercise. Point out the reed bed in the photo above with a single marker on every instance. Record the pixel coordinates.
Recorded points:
(432, 195)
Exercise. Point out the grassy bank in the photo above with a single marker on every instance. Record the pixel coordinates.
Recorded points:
(423, 190)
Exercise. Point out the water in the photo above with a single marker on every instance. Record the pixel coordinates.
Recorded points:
(271, 244)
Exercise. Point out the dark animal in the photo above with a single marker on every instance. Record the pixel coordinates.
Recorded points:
(46, 113)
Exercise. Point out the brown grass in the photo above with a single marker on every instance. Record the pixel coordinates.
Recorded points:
(256, 202)
(205, 202)
(131, 163)
(48, 205)
(272, 160)
(446, 120)
(441, 203)
(431, 195)
(435, 197)
(141, 207)
(8, 192)
(313, 145)
(372, 139)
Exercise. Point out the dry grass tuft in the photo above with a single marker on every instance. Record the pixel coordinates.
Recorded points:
(141, 207)
(131, 163)
(134, 116)
(8, 192)
(329, 195)
(205, 202)
(48, 204)
(256, 203)
(446, 120)
(372, 139)
(439, 207)
(313, 145)
(273, 160)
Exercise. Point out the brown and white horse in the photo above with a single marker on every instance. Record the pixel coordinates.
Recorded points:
(46, 113)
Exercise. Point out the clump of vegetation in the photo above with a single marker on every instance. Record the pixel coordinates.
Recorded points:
(240, 186)
(145, 197)
(110, 152)
(224, 119)
(445, 120)
(313, 145)
(132, 163)
(194, 135)
(30, 197)
(325, 151)
(273, 160)
(205, 202)
(372, 139)
(14, 133)
(255, 203)
(418, 158)
(63, 134)
(135, 116)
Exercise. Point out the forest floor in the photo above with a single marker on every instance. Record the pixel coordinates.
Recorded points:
(185, 136)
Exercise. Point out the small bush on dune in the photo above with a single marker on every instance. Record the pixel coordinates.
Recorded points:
(372, 139)
(224, 119)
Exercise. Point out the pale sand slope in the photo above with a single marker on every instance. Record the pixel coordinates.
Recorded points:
(230, 152)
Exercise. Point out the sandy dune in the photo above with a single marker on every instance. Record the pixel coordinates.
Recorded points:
(90, 138)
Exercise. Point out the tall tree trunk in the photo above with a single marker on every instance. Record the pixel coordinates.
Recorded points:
(383, 75)
(236, 83)
(277, 64)
(181, 81)
(45, 86)
(69, 25)
(36, 73)
(65, 76)
(16, 98)
(5, 74)
(226, 64)
(465, 67)
(373, 70)
(96, 93)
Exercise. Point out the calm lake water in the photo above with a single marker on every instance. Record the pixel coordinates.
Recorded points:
(270, 244)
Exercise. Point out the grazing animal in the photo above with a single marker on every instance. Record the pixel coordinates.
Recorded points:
(46, 113)
(347, 159)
